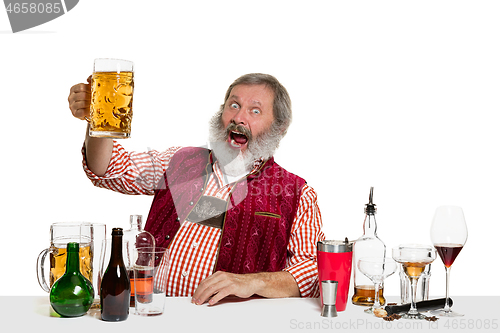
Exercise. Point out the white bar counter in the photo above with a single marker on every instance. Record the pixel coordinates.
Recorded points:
(246, 315)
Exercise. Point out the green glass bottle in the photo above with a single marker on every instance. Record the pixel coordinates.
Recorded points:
(72, 294)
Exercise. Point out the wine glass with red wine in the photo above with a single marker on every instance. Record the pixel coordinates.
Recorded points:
(448, 234)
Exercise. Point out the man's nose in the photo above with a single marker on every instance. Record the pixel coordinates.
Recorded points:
(240, 118)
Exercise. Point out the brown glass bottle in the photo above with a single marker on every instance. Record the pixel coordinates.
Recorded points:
(115, 284)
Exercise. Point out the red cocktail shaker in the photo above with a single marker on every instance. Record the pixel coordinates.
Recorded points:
(335, 263)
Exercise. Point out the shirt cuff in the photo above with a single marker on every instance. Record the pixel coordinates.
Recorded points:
(305, 274)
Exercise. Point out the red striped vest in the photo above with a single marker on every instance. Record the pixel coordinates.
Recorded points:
(259, 216)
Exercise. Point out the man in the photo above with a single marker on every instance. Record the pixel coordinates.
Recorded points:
(236, 223)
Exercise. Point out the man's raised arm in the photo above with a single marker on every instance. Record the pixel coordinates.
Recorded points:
(97, 150)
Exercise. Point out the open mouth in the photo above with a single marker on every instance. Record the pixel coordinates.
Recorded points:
(237, 139)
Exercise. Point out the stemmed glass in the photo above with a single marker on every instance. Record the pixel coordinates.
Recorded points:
(448, 234)
(414, 258)
(376, 269)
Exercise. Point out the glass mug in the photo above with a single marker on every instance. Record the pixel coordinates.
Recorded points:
(112, 90)
(61, 234)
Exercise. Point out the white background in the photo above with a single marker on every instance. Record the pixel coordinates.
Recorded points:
(399, 95)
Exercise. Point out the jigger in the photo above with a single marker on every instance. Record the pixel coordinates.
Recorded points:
(329, 295)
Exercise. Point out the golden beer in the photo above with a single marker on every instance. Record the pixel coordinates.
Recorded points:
(111, 104)
(58, 261)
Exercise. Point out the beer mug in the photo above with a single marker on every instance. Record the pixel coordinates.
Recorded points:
(61, 234)
(112, 90)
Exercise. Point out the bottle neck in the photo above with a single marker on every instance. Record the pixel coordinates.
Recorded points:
(73, 261)
(135, 226)
(116, 257)
(370, 225)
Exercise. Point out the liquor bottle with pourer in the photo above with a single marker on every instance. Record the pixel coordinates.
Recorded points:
(367, 246)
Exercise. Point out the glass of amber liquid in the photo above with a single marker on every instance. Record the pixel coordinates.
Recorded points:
(112, 90)
(414, 258)
(377, 270)
(448, 234)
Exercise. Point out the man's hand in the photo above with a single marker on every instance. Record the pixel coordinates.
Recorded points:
(79, 100)
(222, 284)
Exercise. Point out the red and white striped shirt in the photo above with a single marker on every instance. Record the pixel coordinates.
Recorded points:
(193, 249)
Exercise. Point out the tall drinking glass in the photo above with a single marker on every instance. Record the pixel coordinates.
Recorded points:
(151, 265)
(112, 90)
(448, 234)
(98, 235)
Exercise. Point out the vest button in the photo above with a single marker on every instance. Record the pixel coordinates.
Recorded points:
(191, 203)
(167, 237)
(178, 219)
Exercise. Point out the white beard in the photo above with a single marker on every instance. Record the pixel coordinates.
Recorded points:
(233, 163)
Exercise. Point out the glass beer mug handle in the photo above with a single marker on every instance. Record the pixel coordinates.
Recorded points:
(40, 269)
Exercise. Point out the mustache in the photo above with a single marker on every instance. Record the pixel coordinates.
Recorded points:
(239, 128)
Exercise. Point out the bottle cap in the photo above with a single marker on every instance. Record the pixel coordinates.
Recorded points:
(136, 219)
(117, 231)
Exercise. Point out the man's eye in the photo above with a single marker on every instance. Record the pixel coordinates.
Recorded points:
(255, 111)
(234, 105)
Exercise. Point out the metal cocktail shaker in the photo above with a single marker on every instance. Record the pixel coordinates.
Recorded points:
(335, 264)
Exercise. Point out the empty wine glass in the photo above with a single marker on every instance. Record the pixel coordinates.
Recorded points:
(448, 234)
(414, 258)
(377, 270)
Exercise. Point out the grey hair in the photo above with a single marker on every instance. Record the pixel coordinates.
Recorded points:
(282, 105)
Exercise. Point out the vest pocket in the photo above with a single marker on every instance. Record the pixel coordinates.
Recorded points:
(267, 214)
